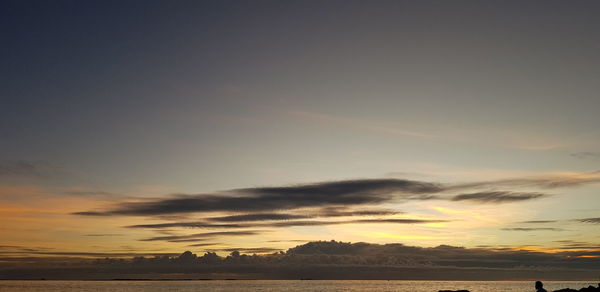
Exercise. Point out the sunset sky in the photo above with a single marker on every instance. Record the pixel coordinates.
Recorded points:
(260, 125)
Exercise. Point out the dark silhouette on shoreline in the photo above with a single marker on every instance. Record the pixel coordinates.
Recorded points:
(585, 289)
(539, 286)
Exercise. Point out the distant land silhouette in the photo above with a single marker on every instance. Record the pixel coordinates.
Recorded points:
(539, 287)
(321, 260)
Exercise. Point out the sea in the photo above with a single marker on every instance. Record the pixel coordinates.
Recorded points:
(283, 285)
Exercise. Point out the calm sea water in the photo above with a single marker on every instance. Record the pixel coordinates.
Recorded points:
(282, 285)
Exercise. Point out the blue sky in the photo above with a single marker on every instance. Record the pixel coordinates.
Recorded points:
(108, 102)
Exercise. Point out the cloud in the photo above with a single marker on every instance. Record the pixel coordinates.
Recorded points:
(200, 224)
(321, 258)
(587, 155)
(200, 236)
(82, 254)
(91, 213)
(578, 247)
(582, 220)
(590, 220)
(340, 193)
(290, 223)
(544, 182)
(257, 217)
(533, 229)
(248, 249)
(26, 169)
(319, 223)
(99, 194)
(346, 212)
(323, 212)
(205, 244)
(572, 244)
(336, 198)
(539, 221)
(398, 221)
(9, 246)
(497, 197)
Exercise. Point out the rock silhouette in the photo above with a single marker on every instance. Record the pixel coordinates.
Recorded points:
(585, 289)
(540, 287)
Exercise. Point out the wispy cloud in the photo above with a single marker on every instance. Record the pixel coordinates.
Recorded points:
(99, 194)
(580, 220)
(287, 223)
(257, 217)
(562, 180)
(91, 213)
(346, 212)
(590, 220)
(586, 155)
(334, 211)
(539, 221)
(577, 245)
(533, 229)
(27, 169)
(358, 221)
(82, 254)
(200, 236)
(205, 244)
(195, 224)
(247, 249)
(497, 197)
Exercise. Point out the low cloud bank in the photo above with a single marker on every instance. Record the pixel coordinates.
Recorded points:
(335, 260)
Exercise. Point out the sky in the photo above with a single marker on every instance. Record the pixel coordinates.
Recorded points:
(164, 126)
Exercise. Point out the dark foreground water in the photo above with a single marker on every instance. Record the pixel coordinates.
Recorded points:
(280, 285)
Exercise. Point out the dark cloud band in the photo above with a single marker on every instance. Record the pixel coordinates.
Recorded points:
(200, 236)
(331, 198)
(340, 193)
(285, 223)
(497, 197)
(590, 220)
(533, 229)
